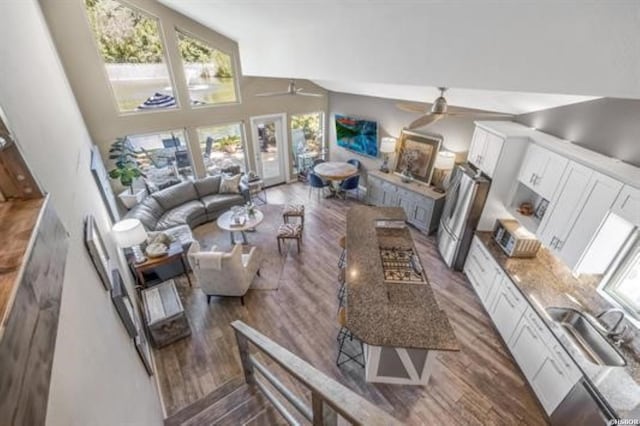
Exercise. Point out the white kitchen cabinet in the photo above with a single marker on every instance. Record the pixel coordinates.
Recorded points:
(483, 272)
(507, 307)
(541, 170)
(485, 149)
(627, 205)
(581, 205)
(550, 384)
(527, 348)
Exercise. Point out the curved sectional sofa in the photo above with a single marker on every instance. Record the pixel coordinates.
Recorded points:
(189, 203)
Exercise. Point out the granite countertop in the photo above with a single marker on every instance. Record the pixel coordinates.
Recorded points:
(415, 185)
(389, 314)
(545, 281)
(17, 221)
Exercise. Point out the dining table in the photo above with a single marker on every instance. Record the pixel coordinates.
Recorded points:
(335, 172)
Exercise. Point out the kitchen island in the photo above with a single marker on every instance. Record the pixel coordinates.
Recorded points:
(399, 323)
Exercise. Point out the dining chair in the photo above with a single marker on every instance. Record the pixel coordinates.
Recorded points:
(355, 162)
(351, 184)
(316, 184)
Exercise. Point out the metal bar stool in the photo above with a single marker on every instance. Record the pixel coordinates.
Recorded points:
(342, 242)
(343, 335)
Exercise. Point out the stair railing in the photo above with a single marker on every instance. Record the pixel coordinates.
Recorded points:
(329, 399)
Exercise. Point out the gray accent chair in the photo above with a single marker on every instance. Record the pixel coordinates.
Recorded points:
(224, 273)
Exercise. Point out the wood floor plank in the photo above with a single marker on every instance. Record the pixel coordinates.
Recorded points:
(478, 385)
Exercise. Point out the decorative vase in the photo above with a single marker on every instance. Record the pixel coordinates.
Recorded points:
(406, 176)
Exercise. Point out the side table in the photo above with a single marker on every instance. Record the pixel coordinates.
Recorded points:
(164, 314)
(174, 254)
(257, 191)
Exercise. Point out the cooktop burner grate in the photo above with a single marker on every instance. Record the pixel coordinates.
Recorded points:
(401, 265)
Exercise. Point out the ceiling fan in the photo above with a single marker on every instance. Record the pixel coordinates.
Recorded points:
(291, 91)
(439, 110)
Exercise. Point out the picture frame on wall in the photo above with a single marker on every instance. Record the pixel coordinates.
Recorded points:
(357, 135)
(97, 251)
(123, 304)
(417, 154)
(144, 352)
(101, 176)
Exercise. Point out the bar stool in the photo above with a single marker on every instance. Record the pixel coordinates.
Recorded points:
(343, 335)
(293, 210)
(289, 231)
(342, 242)
(341, 281)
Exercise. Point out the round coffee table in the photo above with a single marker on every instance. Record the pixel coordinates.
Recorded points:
(225, 221)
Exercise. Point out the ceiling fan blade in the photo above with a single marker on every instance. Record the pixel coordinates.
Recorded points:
(411, 107)
(317, 95)
(272, 94)
(479, 114)
(425, 120)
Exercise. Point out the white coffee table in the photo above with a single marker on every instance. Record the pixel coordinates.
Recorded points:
(225, 221)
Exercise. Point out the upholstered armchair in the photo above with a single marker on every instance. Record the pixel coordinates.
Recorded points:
(224, 273)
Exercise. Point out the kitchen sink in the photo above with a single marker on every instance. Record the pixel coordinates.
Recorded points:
(586, 337)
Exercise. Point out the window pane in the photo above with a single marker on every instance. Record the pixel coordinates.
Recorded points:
(627, 287)
(209, 72)
(129, 43)
(164, 157)
(307, 139)
(222, 148)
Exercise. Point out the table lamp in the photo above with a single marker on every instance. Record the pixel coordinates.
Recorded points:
(129, 233)
(387, 146)
(445, 161)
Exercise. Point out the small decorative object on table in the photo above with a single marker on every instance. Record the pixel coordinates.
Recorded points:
(406, 175)
(251, 209)
(541, 209)
(525, 209)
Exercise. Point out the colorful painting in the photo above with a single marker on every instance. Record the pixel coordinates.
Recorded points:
(360, 136)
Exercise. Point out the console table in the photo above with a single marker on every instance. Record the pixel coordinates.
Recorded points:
(422, 205)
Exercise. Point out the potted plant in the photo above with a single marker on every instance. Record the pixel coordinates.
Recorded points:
(127, 170)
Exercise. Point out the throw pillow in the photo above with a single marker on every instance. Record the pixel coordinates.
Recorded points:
(230, 184)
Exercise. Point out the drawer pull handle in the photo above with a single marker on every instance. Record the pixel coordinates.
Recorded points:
(512, 293)
(556, 367)
(533, 334)
(534, 321)
(561, 356)
(513, 305)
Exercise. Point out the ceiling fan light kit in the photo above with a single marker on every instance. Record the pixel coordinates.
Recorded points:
(440, 109)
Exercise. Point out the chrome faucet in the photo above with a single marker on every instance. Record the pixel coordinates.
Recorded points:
(611, 331)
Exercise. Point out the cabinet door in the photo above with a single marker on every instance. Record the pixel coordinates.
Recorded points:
(492, 149)
(551, 384)
(566, 205)
(530, 166)
(422, 213)
(546, 179)
(507, 309)
(374, 192)
(405, 201)
(601, 193)
(527, 349)
(476, 149)
(627, 205)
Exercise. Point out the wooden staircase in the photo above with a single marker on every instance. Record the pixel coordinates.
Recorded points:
(257, 397)
(233, 403)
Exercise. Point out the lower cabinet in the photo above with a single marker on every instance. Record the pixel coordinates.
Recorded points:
(544, 362)
(421, 204)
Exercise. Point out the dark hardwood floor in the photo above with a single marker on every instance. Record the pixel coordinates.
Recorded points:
(478, 385)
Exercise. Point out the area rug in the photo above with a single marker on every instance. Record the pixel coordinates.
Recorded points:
(264, 238)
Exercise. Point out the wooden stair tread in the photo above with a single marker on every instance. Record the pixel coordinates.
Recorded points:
(203, 404)
(269, 416)
(244, 412)
(217, 411)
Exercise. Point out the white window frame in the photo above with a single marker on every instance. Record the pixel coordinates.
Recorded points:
(243, 139)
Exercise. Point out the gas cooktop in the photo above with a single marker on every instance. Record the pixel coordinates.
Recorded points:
(402, 266)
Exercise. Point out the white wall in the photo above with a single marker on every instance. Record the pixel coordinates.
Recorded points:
(456, 132)
(97, 378)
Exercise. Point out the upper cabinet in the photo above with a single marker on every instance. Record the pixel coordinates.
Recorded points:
(627, 205)
(485, 149)
(584, 198)
(541, 170)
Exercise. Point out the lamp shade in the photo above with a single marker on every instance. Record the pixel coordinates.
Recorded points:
(129, 233)
(445, 160)
(388, 145)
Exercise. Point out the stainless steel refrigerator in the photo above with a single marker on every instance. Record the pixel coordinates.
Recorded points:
(463, 206)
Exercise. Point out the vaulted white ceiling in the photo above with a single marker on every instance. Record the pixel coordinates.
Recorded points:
(403, 47)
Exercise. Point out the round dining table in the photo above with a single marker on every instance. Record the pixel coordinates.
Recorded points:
(335, 172)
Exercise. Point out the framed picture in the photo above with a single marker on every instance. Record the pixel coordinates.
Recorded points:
(142, 346)
(360, 136)
(417, 153)
(97, 251)
(101, 177)
(124, 304)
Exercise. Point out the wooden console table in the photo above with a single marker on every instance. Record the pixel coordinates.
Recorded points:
(422, 205)
(174, 254)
